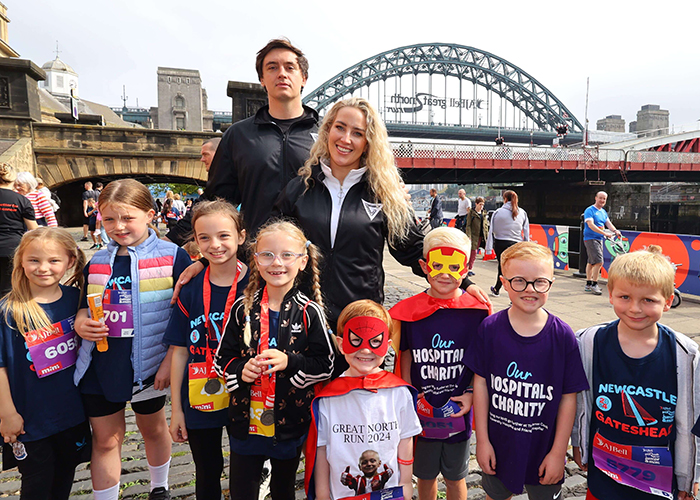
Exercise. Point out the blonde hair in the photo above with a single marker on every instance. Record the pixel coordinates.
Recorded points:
(255, 280)
(217, 206)
(382, 174)
(19, 304)
(646, 267)
(192, 250)
(527, 250)
(8, 173)
(446, 237)
(364, 307)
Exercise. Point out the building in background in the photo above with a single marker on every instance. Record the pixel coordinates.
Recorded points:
(5, 49)
(651, 120)
(611, 123)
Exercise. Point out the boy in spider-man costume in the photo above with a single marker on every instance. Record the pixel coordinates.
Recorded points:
(433, 331)
(364, 407)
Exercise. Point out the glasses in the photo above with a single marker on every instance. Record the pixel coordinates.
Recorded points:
(540, 285)
(286, 258)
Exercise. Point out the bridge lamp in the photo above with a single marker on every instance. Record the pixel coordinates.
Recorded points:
(562, 130)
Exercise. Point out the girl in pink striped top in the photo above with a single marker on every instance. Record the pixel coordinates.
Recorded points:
(26, 184)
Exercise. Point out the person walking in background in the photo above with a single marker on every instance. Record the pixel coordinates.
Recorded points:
(16, 217)
(477, 228)
(26, 184)
(509, 225)
(595, 220)
(87, 194)
(464, 204)
(435, 214)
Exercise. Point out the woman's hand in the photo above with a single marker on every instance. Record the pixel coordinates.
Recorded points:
(185, 277)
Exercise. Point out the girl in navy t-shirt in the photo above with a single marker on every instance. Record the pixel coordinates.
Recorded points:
(199, 399)
(42, 420)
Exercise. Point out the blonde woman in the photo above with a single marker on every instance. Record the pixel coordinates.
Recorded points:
(349, 200)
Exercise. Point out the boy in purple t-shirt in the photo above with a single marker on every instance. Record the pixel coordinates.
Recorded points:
(527, 370)
(437, 327)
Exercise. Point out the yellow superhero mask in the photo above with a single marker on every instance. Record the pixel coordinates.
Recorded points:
(447, 260)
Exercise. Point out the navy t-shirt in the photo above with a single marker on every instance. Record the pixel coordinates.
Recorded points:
(111, 373)
(51, 404)
(526, 377)
(438, 345)
(634, 403)
(187, 329)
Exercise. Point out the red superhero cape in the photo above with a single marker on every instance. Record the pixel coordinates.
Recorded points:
(339, 387)
(420, 307)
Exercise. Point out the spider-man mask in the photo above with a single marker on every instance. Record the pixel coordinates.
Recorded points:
(447, 260)
(366, 332)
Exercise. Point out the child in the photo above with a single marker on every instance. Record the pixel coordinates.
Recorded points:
(199, 405)
(193, 250)
(274, 350)
(527, 373)
(41, 413)
(135, 276)
(366, 412)
(437, 328)
(633, 427)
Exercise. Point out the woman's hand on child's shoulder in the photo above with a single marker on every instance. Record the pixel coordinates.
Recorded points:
(275, 360)
(11, 427)
(89, 329)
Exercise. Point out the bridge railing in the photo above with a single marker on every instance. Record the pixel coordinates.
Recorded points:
(662, 157)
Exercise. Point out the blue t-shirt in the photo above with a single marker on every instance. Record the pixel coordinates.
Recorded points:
(438, 345)
(634, 403)
(51, 404)
(187, 329)
(526, 378)
(599, 217)
(111, 373)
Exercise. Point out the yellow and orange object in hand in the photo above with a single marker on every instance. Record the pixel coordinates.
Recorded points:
(97, 313)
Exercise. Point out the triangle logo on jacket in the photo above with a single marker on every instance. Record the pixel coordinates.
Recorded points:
(372, 209)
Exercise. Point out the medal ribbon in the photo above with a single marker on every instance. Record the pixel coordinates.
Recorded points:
(268, 383)
(230, 299)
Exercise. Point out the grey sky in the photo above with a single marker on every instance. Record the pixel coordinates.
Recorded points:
(634, 54)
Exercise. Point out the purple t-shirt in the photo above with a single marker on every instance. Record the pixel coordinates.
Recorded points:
(438, 345)
(526, 377)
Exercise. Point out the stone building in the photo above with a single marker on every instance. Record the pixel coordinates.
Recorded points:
(611, 123)
(5, 49)
(182, 102)
(651, 120)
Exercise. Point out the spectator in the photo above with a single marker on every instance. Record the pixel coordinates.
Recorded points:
(595, 220)
(435, 214)
(464, 204)
(208, 151)
(179, 204)
(87, 194)
(26, 185)
(477, 228)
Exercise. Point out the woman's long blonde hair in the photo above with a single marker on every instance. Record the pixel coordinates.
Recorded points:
(255, 281)
(19, 304)
(383, 176)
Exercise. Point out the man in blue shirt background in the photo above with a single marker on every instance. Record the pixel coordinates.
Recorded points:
(595, 220)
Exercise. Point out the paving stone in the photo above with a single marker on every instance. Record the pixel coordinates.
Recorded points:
(575, 485)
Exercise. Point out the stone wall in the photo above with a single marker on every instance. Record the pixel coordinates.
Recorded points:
(20, 155)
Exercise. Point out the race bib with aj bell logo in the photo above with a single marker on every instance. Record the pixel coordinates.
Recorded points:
(52, 349)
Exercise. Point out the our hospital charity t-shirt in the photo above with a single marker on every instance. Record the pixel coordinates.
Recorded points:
(526, 377)
(111, 373)
(438, 344)
(50, 404)
(634, 405)
(370, 437)
(187, 328)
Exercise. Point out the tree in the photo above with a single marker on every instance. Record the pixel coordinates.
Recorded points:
(159, 190)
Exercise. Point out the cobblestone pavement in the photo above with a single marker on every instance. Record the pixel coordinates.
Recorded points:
(566, 300)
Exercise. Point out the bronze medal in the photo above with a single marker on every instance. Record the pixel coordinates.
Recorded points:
(213, 386)
(267, 417)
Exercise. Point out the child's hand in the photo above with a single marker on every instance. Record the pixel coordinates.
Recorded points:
(577, 458)
(178, 431)
(275, 360)
(90, 329)
(251, 371)
(162, 380)
(486, 457)
(552, 468)
(465, 403)
(11, 426)
(478, 293)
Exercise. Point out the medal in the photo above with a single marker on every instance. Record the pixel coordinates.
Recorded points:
(267, 417)
(213, 386)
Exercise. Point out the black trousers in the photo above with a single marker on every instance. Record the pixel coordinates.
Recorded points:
(500, 246)
(208, 461)
(245, 476)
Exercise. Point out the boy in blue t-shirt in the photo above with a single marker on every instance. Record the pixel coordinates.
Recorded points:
(632, 429)
(436, 329)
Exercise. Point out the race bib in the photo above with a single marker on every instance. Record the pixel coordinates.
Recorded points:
(119, 315)
(53, 349)
(395, 493)
(645, 468)
(207, 392)
(260, 423)
(438, 423)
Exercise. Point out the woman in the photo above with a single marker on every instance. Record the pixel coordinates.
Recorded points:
(170, 213)
(26, 185)
(16, 217)
(476, 227)
(509, 225)
(349, 201)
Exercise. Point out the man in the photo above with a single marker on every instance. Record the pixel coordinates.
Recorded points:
(463, 206)
(208, 151)
(595, 220)
(435, 213)
(87, 194)
(259, 155)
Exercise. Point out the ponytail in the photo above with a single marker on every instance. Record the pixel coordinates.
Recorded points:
(512, 197)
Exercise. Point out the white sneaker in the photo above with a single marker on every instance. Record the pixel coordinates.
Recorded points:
(596, 290)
